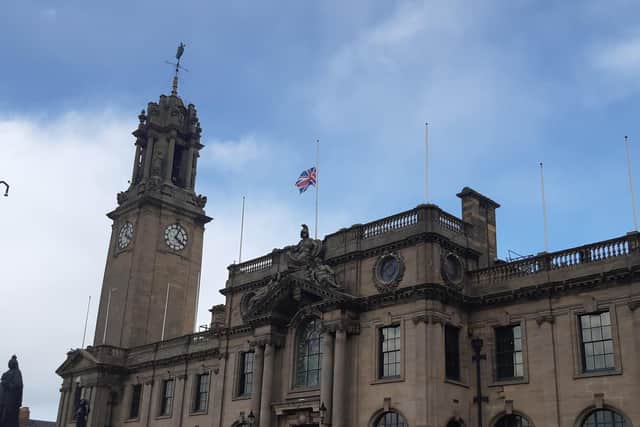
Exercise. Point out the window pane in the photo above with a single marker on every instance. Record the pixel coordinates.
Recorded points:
(389, 354)
(597, 343)
(509, 357)
(604, 418)
(309, 355)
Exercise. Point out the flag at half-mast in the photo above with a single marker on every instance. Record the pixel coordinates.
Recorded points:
(306, 179)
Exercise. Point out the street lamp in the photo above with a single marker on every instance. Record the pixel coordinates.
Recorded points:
(6, 186)
(323, 412)
(251, 418)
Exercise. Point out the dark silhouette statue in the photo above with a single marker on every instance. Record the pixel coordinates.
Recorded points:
(82, 413)
(11, 395)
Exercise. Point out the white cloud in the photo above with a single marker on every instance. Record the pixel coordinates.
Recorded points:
(233, 155)
(64, 174)
(621, 57)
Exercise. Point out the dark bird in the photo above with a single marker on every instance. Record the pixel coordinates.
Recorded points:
(180, 51)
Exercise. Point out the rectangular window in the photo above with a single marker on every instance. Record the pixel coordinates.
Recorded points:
(389, 352)
(166, 401)
(596, 342)
(136, 396)
(201, 398)
(246, 373)
(452, 352)
(509, 362)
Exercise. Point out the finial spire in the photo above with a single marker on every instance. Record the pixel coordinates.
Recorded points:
(179, 52)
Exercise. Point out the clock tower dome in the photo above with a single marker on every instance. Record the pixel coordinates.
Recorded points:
(152, 275)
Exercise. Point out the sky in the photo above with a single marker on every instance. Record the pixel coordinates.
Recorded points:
(503, 85)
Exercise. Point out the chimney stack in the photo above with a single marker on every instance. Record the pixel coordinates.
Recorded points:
(480, 211)
(24, 416)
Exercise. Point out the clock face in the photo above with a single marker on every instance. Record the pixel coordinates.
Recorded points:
(125, 235)
(176, 237)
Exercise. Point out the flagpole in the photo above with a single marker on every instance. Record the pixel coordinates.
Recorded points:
(317, 183)
(426, 162)
(86, 319)
(544, 209)
(241, 232)
(633, 197)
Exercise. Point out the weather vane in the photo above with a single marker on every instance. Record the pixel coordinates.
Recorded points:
(179, 52)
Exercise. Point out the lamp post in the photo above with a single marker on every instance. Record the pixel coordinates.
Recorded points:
(323, 413)
(6, 188)
(476, 344)
(251, 418)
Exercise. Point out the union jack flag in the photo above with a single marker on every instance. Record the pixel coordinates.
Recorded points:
(306, 179)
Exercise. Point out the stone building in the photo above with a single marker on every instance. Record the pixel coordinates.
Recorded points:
(410, 320)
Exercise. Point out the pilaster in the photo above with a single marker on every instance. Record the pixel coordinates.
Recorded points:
(267, 386)
(338, 412)
(326, 382)
(258, 368)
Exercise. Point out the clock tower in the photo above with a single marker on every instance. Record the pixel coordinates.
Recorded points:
(152, 275)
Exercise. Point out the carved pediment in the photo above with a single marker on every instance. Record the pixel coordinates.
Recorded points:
(82, 360)
(307, 280)
(286, 294)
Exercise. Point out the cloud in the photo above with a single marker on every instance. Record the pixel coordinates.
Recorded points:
(620, 57)
(64, 174)
(234, 155)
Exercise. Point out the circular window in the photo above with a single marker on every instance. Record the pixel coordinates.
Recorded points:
(388, 271)
(452, 269)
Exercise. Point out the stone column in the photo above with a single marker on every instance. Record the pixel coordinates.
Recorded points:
(256, 391)
(65, 392)
(148, 158)
(188, 174)
(170, 153)
(178, 400)
(420, 380)
(326, 382)
(267, 385)
(147, 402)
(135, 163)
(435, 370)
(339, 372)
(634, 306)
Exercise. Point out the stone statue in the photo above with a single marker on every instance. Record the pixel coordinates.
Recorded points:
(11, 395)
(306, 250)
(82, 413)
(323, 274)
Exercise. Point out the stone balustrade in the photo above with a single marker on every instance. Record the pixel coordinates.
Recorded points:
(422, 219)
(581, 256)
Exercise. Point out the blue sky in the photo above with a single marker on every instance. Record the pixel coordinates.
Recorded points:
(504, 85)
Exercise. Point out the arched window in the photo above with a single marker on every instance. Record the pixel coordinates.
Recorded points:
(512, 420)
(604, 418)
(390, 419)
(308, 354)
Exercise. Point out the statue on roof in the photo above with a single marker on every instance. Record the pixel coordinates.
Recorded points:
(11, 395)
(306, 259)
(306, 250)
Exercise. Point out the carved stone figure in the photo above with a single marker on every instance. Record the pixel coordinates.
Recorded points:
(323, 274)
(156, 165)
(306, 250)
(11, 395)
(82, 413)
